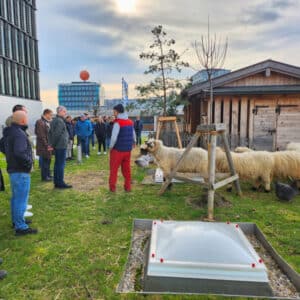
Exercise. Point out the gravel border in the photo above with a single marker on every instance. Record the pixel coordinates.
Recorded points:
(279, 282)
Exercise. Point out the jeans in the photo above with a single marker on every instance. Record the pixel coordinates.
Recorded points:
(45, 167)
(20, 187)
(84, 142)
(69, 149)
(59, 166)
(92, 138)
(107, 142)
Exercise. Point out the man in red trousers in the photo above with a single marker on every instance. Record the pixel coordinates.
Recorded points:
(121, 144)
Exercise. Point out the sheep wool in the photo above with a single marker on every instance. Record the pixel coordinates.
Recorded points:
(293, 147)
(167, 157)
(255, 166)
(286, 164)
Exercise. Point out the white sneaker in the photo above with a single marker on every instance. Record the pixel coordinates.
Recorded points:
(104, 152)
(29, 207)
(87, 156)
(94, 148)
(28, 214)
(99, 153)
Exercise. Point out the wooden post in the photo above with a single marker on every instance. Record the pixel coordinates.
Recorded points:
(212, 175)
(178, 135)
(230, 162)
(173, 172)
(168, 119)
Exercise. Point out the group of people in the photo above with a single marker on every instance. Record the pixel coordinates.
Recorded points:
(55, 136)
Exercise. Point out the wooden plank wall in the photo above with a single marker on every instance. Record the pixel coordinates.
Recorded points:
(244, 122)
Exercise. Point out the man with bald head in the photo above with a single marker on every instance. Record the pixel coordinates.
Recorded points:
(19, 160)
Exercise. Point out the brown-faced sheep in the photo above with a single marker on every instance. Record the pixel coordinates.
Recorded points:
(167, 158)
(254, 166)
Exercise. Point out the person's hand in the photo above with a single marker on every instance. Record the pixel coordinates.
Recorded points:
(50, 148)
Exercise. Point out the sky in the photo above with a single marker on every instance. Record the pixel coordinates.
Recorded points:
(106, 37)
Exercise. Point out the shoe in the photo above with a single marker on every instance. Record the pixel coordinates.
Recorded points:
(104, 152)
(29, 207)
(3, 274)
(87, 156)
(112, 191)
(48, 179)
(26, 222)
(29, 230)
(127, 191)
(28, 214)
(99, 153)
(1, 260)
(65, 186)
(94, 148)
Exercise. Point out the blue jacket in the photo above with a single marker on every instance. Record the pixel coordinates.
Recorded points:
(83, 128)
(17, 149)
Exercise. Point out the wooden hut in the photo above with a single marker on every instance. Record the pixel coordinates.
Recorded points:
(260, 105)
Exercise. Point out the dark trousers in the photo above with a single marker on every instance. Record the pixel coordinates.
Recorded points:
(84, 142)
(138, 137)
(101, 142)
(45, 167)
(59, 166)
(92, 139)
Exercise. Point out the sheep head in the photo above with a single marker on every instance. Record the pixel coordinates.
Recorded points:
(150, 146)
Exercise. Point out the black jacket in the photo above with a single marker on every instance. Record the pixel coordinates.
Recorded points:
(100, 130)
(71, 130)
(109, 128)
(17, 149)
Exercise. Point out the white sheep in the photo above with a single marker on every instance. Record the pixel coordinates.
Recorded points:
(286, 164)
(293, 147)
(167, 158)
(242, 149)
(255, 166)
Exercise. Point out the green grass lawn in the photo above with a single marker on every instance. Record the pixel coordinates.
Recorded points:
(76, 256)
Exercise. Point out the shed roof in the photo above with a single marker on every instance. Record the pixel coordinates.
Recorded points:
(274, 66)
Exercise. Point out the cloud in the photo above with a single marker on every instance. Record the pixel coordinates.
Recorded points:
(93, 34)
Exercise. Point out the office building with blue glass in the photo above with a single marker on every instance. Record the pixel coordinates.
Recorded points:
(79, 97)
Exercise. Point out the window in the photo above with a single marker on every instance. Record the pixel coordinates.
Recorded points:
(21, 47)
(9, 41)
(21, 81)
(2, 38)
(17, 81)
(13, 43)
(12, 10)
(8, 10)
(9, 77)
(2, 81)
(17, 12)
(4, 6)
(16, 44)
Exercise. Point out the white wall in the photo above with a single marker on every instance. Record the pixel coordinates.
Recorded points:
(35, 110)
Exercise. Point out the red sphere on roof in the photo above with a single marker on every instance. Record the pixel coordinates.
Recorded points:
(84, 75)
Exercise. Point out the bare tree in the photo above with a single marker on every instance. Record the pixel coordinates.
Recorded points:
(211, 54)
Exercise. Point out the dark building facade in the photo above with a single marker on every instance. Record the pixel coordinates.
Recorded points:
(19, 64)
